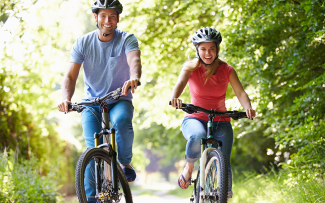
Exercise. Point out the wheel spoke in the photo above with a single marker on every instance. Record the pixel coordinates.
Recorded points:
(216, 178)
(86, 187)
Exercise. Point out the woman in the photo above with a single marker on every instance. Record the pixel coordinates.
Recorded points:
(208, 78)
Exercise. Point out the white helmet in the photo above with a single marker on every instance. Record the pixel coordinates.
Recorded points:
(206, 34)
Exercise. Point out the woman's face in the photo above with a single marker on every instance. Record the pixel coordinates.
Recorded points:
(208, 52)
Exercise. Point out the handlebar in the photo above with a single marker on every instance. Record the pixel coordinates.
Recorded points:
(116, 94)
(190, 108)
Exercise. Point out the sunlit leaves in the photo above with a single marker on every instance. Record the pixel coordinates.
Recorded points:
(32, 53)
(276, 48)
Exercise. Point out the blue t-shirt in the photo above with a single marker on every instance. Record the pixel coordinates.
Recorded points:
(104, 63)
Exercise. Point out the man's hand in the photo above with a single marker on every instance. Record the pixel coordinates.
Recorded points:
(63, 106)
(133, 83)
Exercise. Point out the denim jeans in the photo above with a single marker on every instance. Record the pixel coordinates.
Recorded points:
(194, 129)
(121, 114)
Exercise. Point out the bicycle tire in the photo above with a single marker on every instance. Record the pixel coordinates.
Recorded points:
(216, 163)
(102, 157)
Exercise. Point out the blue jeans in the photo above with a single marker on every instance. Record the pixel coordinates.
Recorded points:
(194, 129)
(121, 114)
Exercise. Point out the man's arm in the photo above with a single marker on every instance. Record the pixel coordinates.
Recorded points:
(134, 61)
(68, 85)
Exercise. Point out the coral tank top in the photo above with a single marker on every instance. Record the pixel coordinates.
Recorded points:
(212, 94)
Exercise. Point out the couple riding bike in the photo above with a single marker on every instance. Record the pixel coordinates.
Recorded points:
(111, 59)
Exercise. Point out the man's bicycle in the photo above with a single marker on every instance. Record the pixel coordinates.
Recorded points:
(211, 183)
(105, 174)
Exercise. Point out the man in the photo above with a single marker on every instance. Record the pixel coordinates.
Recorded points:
(111, 59)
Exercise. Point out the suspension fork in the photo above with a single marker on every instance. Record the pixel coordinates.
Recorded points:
(112, 148)
(205, 149)
(204, 155)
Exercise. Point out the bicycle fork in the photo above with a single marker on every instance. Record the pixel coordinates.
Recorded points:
(206, 147)
(110, 172)
(203, 161)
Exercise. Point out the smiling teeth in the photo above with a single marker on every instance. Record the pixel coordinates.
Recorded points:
(107, 26)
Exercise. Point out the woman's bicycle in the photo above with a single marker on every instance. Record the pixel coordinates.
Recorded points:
(211, 183)
(105, 174)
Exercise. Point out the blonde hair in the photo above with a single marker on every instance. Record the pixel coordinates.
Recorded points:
(192, 65)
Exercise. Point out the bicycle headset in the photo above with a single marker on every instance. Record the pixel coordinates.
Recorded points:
(106, 4)
(206, 34)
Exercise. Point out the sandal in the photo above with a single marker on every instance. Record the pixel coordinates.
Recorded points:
(186, 181)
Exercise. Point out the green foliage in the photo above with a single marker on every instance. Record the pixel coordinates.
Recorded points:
(22, 182)
(277, 49)
(32, 51)
(24, 85)
(274, 188)
(166, 144)
(288, 69)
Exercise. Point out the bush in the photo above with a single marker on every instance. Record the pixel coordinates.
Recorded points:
(278, 187)
(22, 182)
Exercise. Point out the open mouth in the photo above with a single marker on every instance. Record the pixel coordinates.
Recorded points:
(107, 26)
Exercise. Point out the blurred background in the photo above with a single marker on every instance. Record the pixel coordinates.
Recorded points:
(277, 48)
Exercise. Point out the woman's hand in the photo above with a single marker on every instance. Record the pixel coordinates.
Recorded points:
(250, 113)
(176, 103)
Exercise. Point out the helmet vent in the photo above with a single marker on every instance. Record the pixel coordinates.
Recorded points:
(207, 34)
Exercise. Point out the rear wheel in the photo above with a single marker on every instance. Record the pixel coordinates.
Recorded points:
(216, 178)
(86, 179)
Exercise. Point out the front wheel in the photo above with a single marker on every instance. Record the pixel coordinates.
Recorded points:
(93, 170)
(216, 178)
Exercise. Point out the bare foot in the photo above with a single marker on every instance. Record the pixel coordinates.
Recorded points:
(187, 173)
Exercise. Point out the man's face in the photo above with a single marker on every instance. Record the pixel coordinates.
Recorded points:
(107, 20)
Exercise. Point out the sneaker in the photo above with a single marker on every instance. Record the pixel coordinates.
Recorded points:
(129, 174)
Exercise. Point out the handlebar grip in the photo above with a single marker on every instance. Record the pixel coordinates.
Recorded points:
(184, 104)
(70, 107)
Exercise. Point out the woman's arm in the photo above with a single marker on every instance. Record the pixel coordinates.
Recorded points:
(179, 87)
(241, 94)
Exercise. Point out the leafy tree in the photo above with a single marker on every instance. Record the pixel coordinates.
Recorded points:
(33, 50)
(277, 49)
(286, 39)
(165, 30)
